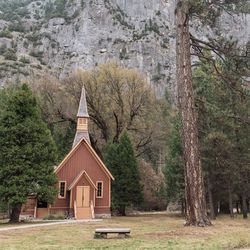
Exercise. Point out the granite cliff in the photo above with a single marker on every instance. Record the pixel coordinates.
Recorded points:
(60, 36)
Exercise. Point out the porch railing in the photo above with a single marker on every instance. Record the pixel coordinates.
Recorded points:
(75, 211)
(92, 210)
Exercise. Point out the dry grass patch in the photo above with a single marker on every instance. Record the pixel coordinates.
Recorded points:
(147, 232)
(4, 224)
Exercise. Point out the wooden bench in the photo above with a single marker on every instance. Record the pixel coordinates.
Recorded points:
(101, 233)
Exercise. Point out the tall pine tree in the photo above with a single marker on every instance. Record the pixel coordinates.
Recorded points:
(27, 153)
(206, 11)
(121, 160)
(223, 106)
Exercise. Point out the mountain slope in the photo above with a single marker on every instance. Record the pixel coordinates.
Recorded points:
(60, 36)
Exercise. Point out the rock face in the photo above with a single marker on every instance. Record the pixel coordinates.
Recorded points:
(61, 36)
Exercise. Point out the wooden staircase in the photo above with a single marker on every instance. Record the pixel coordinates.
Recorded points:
(84, 212)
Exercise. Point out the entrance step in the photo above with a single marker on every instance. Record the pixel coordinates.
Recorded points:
(83, 213)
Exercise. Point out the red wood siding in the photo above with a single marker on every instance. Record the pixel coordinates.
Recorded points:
(82, 182)
(62, 202)
(29, 207)
(83, 159)
(102, 210)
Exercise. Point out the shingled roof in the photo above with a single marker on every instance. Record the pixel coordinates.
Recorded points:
(83, 110)
(79, 135)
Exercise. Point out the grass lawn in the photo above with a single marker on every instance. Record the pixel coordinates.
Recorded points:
(158, 231)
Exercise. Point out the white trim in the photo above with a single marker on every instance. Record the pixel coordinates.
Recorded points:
(89, 147)
(65, 188)
(94, 196)
(109, 193)
(79, 177)
(99, 197)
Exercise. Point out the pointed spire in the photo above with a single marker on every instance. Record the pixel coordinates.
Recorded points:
(82, 120)
(83, 110)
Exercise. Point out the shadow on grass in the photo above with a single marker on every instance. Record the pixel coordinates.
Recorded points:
(155, 214)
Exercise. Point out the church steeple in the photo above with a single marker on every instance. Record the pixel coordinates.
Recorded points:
(82, 120)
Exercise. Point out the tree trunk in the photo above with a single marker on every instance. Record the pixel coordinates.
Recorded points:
(230, 200)
(122, 210)
(194, 186)
(216, 208)
(224, 207)
(237, 207)
(15, 213)
(183, 209)
(244, 206)
(211, 200)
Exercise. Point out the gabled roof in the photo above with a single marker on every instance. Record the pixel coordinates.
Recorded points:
(92, 151)
(79, 177)
(79, 135)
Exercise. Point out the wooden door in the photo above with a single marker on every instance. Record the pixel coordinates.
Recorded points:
(86, 197)
(83, 210)
(83, 196)
(79, 197)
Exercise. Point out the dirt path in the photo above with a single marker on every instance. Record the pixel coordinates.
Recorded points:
(44, 224)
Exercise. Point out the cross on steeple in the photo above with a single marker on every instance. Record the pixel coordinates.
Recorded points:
(82, 120)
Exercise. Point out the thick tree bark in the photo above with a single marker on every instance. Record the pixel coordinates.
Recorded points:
(216, 208)
(211, 200)
(244, 206)
(183, 208)
(224, 207)
(194, 186)
(122, 210)
(15, 213)
(230, 201)
(237, 207)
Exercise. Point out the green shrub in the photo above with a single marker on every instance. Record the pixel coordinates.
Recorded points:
(3, 207)
(37, 54)
(123, 54)
(23, 12)
(38, 66)
(55, 9)
(25, 44)
(2, 49)
(33, 37)
(17, 27)
(59, 216)
(37, 16)
(6, 33)
(23, 59)
(83, 4)
(158, 13)
(165, 43)
(10, 54)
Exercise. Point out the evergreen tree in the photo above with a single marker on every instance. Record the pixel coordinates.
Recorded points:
(27, 153)
(194, 186)
(223, 111)
(174, 170)
(213, 124)
(121, 160)
(224, 134)
(207, 12)
(63, 137)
